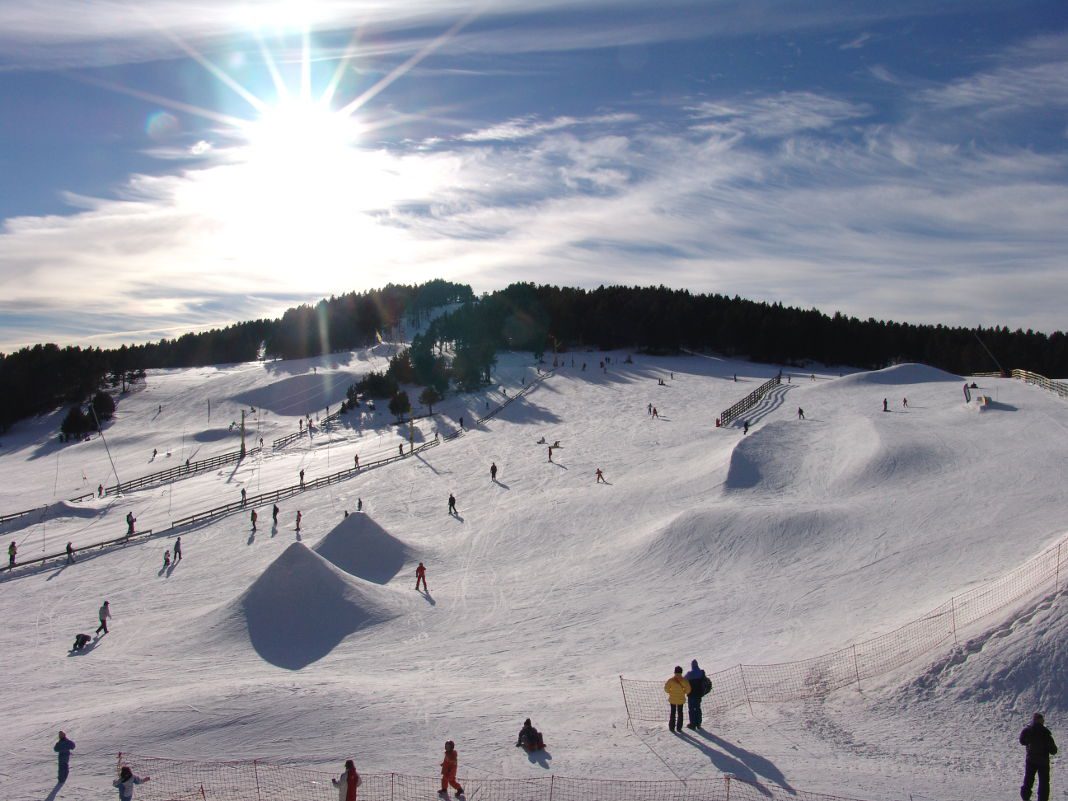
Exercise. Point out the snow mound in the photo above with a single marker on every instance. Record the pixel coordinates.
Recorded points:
(1017, 666)
(301, 607)
(360, 546)
(300, 394)
(899, 374)
(52, 512)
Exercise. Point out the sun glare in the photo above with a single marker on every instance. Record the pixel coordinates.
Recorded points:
(300, 135)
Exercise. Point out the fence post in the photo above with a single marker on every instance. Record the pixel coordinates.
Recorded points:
(953, 612)
(203, 795)
(256, 773)
(727, 781)
(552, 780)
(625, 704)
(1057, 586)
(391, 775)
(745, 687)
(856, 667)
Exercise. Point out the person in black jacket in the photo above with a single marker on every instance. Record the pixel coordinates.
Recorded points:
(1040, 747)
(697, 679)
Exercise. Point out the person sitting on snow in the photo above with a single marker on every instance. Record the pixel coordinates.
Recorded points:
(530, 739)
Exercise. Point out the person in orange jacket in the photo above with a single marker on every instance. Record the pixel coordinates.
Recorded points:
(677, 688)
(448, 771)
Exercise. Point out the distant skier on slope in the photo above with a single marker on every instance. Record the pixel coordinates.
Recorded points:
(420, 575)
(166, 559)
(177, 550)
(745, 427)
(12, 552)
(80, 641)
(600, 477)
(299, 516)
(253, 517)
(452, 504)
(885, 409)
(64, 745)
(103, 614)
(530, 739)
(70, 554)
(493, 471)
(274, 514)
(800, 413)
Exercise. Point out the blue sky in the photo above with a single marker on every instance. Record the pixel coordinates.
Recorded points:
(170, 166)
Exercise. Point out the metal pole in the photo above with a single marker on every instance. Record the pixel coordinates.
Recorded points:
(741, 672)
(255, 765)
(856, 667)
(953, 611)
(1057, 586)
(118, 483)
(625, 704)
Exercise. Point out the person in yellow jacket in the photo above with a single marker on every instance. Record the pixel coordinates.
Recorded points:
(677, 688)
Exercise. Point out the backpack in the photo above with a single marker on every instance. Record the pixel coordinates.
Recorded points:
(704, 687)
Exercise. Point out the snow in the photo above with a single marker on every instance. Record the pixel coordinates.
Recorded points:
(308, 648)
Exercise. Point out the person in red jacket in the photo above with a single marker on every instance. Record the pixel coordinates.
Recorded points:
(420, 575)
(448, 771)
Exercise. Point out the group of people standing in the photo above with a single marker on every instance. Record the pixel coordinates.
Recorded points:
(689, 690)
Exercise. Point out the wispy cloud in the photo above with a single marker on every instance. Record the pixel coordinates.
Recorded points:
(778, 115)
(531, 126)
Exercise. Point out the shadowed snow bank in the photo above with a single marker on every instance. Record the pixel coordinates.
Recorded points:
(361, 547)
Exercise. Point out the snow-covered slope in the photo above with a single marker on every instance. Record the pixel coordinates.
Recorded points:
(793, 540)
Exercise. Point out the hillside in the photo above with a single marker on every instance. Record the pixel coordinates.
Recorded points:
(801, 537)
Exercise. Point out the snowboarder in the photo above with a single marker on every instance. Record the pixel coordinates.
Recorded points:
(126, 781)
(104, 614)
(70, 554)
(299, 515)
(1040, 747)
(244, 496)
(166, 559)
(452, 504)
(177, 550)
(253, 517)
(274, 514)
(347, 782)
(63, 747)
(302, 477)
(80, 641)
(448, 771)
(529, 739)
(745, 427)
(493, 471)
(359, 504)
(600, 477)
(420, 575)
(677, 688)
(885, 409)
(12, 550)
(800, 413)
(699, 687)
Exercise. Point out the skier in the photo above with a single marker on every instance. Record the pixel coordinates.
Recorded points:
(600, 477)
(12, 550)
(677, 688)
(166, 559)
(452, 504)
(448, 771)
(655, 412)
(104, 614)
(550, 453)
(100, 490)
(356, 459)
(243, 496)
(70, 554)
(461, 423)
(905, 402)
(154, 452)
(649, 410)
(884, 405)
(253, 517)
(420, 575)
(80, 641)
(130, 520)
(699, 686)
(800, 413)
(274, 514)
(302, 477)
(347, 782)
(126, 781)
(299, 515)
(63, 747)
(529, 739)
(177, 550)
(359, 504)
(745, 427)
(1040, 747)
(493, 471)
(401, 449)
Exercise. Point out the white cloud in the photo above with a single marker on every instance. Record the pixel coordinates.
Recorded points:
(778, 115)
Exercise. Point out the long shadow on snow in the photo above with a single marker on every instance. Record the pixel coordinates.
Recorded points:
(754, 763)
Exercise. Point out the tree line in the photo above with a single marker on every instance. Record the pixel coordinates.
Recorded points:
(459, 349)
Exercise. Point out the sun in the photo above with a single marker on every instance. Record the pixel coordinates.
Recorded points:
(301, 137)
